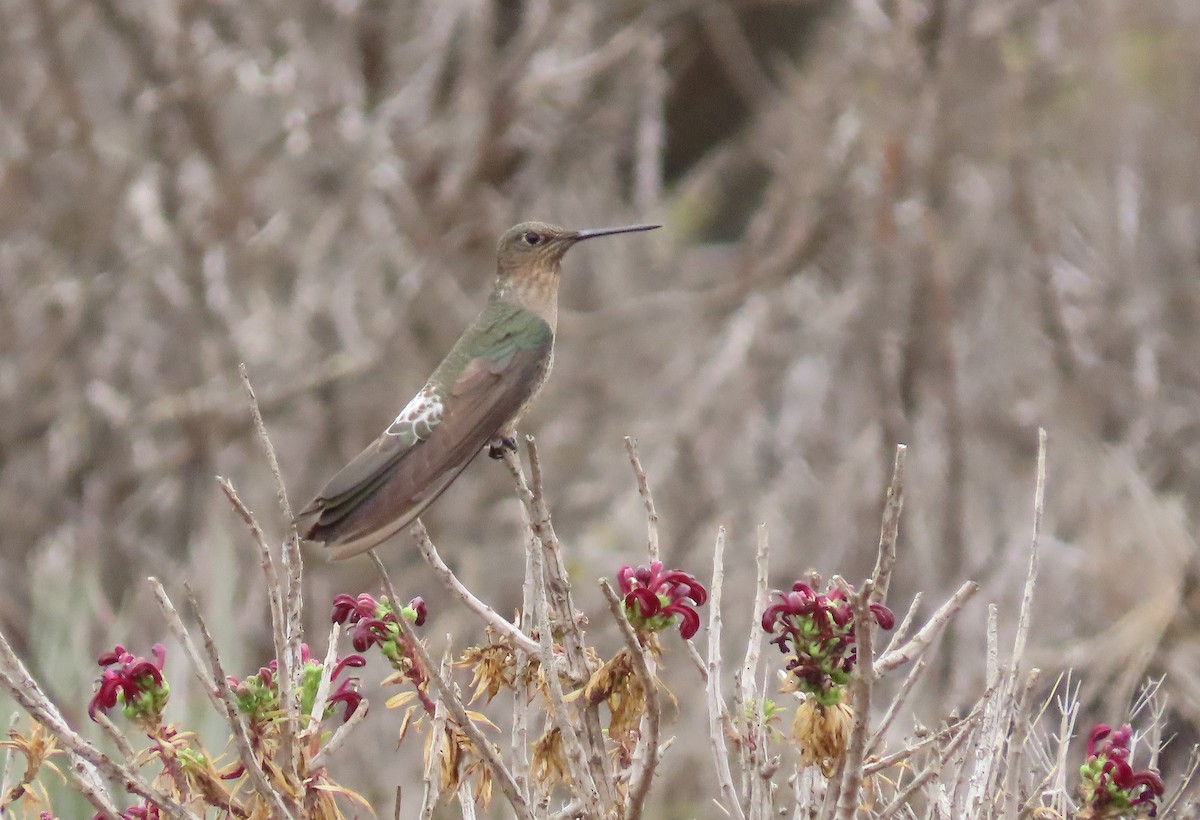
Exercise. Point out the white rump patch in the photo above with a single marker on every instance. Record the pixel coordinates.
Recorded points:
(419, 416)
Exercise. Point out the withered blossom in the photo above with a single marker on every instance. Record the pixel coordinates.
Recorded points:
(493, 667)
(618, 686)
(822, 732)
(549, 763)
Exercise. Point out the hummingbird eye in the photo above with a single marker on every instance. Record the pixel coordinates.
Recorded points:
(532, 238)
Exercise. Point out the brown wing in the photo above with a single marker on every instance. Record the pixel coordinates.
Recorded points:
(391, 482)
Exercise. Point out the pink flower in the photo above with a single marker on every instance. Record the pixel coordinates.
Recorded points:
(654, 598)
(136, 683)
(1109, 784)
(817, 630)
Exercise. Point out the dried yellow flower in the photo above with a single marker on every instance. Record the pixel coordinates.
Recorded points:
(549, 765)
(823, 732)
(618, 685)
(493, 667)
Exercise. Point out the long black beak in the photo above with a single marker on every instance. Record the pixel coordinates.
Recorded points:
(579, 236)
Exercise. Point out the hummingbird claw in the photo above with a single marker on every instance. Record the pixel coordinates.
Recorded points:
(498, 445)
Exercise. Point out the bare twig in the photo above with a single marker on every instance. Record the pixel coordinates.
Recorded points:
(522, 693)
(282, 803)
(487, 751)
(749, 703)
(927, 774)
(339, 736)
(175, 624)
(115, 735)
(1039, 508)
(1012, 788)
(573, 747)
(895, 705)
(643, 769)
(293, 624)
(887, 761)
(433, 761)
(754, 644)
(901, 633)
(557, 588)
(485, 613)
(6, 769)
(716, 704)
(912, 649)
(647, 498)
(860, 690)
(890, 530)
(274, 588)
(326, 683)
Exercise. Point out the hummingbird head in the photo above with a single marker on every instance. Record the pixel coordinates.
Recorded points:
(537, 248)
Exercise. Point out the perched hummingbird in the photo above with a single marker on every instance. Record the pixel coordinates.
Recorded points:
(473, 400)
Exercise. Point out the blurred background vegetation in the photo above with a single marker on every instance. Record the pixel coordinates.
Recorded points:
(935, 222)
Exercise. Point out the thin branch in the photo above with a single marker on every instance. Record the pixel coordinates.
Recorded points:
(925, 635)
(6, 770)
(115, 735)
(1016, 746)
(175, 624)
(557, 587)
(750, 752)
(339, 735)
(860, 690)
(901, 633)
(326, 683)
(577, 756)
(896, 704)
(647, 498)
(485, 613)
(643, 770)
(274, 588)
(1039, 508)
(754, 643)
(927, 774)
(885, 560)
(284, 804)
(886, 762)
(716, 705)
(522, 689)
(434, 755)
(454, 705)
(293, 626)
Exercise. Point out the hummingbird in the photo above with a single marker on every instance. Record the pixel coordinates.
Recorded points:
(472, 402)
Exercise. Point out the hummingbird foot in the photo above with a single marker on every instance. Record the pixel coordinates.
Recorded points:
(498, 445)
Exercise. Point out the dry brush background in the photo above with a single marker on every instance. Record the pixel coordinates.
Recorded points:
(940, 223)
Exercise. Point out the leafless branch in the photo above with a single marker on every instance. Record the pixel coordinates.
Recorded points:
(647, 763)
(458, 712)
(485, 613)
(647, 498)
(280, 802)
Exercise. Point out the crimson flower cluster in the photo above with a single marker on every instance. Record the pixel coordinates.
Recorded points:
(375, 624)
(817, 631)
(258, 696)
(136, 683)
(654, 599)
(1110, 787)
